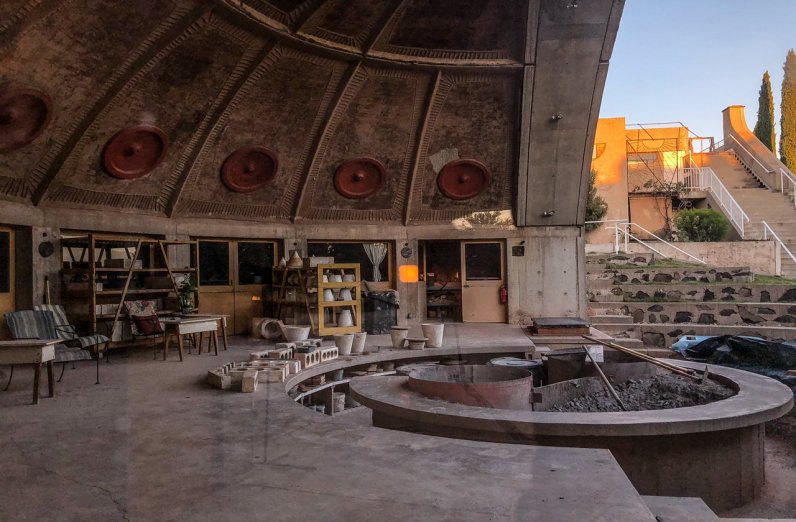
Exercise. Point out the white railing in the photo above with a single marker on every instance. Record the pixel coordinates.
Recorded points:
(622, 237)
(784, 175)
(767, 230)
(703, 178)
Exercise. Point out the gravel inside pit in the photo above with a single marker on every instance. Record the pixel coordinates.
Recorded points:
(655, 393)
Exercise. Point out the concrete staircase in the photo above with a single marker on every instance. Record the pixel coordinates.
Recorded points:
(759, 203)
(653, 305)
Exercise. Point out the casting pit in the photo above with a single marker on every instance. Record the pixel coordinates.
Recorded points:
(475, 385)
(714, 451)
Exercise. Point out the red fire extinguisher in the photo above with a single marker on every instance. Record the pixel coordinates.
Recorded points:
(504, 294)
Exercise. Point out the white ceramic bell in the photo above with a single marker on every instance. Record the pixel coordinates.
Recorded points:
(282, 262)
(344, 318)
(349, 278)
(328, 295)
(345, 295)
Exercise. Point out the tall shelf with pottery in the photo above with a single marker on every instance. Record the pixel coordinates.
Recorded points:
(339, 298)
(295, 288)
(101, 272)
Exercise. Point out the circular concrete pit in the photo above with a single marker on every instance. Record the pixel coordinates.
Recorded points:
(714, 451)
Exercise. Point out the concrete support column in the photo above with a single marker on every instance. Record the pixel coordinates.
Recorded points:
(548, 278)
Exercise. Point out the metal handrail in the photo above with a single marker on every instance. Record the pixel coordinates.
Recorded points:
(623, 229)
(749, 153)
(783, 174)
(704, 178)
(767, 229)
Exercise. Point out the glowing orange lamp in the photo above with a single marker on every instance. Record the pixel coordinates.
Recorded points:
(408, 273)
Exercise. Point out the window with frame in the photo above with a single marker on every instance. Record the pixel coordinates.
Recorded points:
(354, 252)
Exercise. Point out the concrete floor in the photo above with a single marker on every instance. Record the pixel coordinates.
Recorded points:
(154, 442)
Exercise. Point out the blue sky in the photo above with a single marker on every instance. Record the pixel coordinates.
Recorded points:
(686, 60)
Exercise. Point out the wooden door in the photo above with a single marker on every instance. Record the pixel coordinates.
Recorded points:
(7, 287)
(233, 277)
(483, 274)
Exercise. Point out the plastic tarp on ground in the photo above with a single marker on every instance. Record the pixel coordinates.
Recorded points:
(757, 355)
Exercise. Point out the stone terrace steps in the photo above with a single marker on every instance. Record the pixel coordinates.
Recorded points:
(663, 335)
(706, 312)
(604, 291)
(642, 275)
(619, 259)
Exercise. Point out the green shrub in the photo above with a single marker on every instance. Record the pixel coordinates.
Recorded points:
(596, 207)
(701, 225)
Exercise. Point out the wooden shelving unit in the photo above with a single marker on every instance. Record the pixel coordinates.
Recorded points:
(309, 289)
(94, 293)
(295, 279)
(332, 307)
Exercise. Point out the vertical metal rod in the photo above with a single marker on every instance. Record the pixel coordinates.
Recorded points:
(605, 380)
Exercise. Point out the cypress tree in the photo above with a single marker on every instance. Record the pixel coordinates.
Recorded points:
(787, 140)
(764, 128)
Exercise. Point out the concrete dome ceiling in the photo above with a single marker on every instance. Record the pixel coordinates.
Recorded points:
(298, 88)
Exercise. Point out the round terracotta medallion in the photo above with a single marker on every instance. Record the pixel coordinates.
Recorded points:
(359, 178)
(135, 151)
(248, 169)
(463, 179)
(24, 113)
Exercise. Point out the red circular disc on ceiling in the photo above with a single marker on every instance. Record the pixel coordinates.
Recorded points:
(359, 178)
(135, 151)
(463, 179)
(24, 113)
(248, 169)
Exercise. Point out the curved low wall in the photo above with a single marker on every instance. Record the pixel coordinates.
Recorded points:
(714, 451)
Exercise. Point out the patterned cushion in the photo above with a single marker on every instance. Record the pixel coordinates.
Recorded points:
(91, 340)
(64, 354)
(147, 324)
(31, 324)
(141, 307)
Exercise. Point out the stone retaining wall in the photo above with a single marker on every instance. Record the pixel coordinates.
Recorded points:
(671, 275)
(740, 292)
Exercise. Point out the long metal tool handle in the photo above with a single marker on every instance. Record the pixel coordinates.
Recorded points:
(672, 368)
(605, 380)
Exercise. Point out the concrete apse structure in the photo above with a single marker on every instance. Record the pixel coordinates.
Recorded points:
(298, 120)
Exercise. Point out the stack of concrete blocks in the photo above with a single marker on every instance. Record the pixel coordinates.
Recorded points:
(246, 375)
(282, 351)
(329, 353)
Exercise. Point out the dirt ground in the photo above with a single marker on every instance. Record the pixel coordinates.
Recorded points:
(654, 393)
(779, 494)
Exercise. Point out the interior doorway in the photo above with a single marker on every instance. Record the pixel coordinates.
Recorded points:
(234, 276)
(7, 286)
(463, 280)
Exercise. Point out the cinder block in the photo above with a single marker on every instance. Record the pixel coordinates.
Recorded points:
(281, 353)
(263, 354)
(327, 354)
(294, 366)
(219, 379)
(307, 359)
(273, 374)
(249, 381)
(282, 346)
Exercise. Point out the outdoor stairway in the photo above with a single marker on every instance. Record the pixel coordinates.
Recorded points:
(759, 203)
(655, 304)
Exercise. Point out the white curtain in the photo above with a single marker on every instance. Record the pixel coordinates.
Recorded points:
(376, 252)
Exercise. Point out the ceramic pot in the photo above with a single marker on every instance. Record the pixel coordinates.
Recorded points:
(328, 295)
(398, 334)
(343, 343)
(344, 319)
(416, 343)
(359, 342)
(295, 261)
(349, 278)
(434, 332)
(282, 262)
(335, 278)
(295, 333)
(325, 278)
(345, 295)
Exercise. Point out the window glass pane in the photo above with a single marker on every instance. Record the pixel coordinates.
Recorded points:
(214, 263)
(351, 253)
(5, 262)
(255, 261)
(482, 260)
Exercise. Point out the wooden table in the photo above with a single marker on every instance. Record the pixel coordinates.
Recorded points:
(222, 323)
(181, 326)
(35, 352)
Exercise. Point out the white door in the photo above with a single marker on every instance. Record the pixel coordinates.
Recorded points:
(482, 277)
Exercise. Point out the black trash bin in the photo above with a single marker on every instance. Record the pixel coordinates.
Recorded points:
(380, 311)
